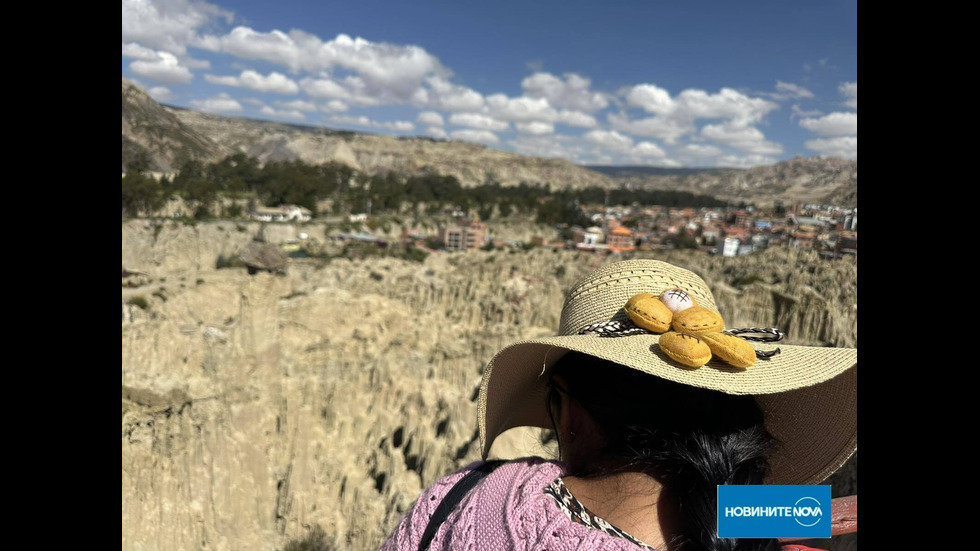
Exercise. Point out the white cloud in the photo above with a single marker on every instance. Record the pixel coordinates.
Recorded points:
(665, 128)
(648, 149)
(676, 117)
(650, 98)
(169, 25)
(254, 101)
(798, 112)
(729, 104)
(160, 93)
(165, 68)
(574, 118)
(283, 113)
(834, 124)
(787, 90)
(701, 151)
(844, 146)
(430, 118)
(536, 128)
(439, 93)
(380, 73)
(133, 49)
(220, 103)
(747, 139)
(609, 140)
(478, 136)
(436, 132)
(274, 82)
(520, 109)
(747, 161)
(571, 93)
(850, 91)
(400, 126)
(298, 105)
(334, 106)
(474, 120)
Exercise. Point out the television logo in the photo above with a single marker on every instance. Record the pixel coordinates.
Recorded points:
(774, 511)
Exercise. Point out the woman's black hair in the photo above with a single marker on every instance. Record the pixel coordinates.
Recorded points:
(689, 439)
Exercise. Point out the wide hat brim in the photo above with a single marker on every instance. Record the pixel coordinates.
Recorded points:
(807, 394)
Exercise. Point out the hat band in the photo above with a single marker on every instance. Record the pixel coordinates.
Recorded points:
(626, 328)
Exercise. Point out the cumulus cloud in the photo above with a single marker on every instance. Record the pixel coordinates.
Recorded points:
(283, 113)
(385, 73)
(648, 149)
(747, 161)
(297, 105)
(787, 90)
(168, 25)
(701, 151)
(798, 112)
(439, 93)
(160, 93)
(520, 109)
(436, 132)
(274, 82)
(665, 128)
(843, 146)
(609, 140)
(675, 117)
(535, 128)
(572, 92)
(574, 118)
(474, 120)
(612, 147)
(650, 98)
(738, 108)
(430, 118)
(747, 139)
(478, 136)
(134, 50)
(220, 103)
(334, 106)
(165, 68)
(850, 91)
(401, 126)
(834, 124)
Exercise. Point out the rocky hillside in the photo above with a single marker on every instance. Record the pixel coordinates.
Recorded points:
(169, 135)
(257, 407)
(153, 136)
(803, 180)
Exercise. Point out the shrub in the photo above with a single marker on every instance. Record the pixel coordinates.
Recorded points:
(139, 301)
(748, 280)
(315, 540)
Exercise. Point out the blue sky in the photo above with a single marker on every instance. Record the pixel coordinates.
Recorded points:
(691, 83)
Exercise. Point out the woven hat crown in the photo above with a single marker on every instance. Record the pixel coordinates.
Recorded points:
(603, 293)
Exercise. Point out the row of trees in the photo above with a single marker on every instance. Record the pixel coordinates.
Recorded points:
(295, 182)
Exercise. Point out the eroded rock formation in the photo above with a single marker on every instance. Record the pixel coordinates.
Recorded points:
(257, 406)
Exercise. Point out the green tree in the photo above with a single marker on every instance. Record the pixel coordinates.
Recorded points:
(140, 194)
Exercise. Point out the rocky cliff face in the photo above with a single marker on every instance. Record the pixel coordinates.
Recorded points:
(255, 407)
(152, 136)
(800, 180)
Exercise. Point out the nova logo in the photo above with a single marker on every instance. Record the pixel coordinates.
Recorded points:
(807, 515)
(771, 511)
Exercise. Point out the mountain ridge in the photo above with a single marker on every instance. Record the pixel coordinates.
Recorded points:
(161, 137)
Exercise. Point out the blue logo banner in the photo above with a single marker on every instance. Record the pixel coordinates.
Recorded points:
(774, 511)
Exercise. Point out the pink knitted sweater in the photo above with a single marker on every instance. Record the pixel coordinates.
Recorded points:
(508, 510)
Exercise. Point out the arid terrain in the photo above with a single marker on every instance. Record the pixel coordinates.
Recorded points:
(256, 407)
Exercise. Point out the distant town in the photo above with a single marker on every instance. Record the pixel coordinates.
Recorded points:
(827, 229)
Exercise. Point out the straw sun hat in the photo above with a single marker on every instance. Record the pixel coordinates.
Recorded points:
(807, 394)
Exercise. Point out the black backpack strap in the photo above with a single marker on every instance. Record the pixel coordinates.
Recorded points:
(455, 495)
